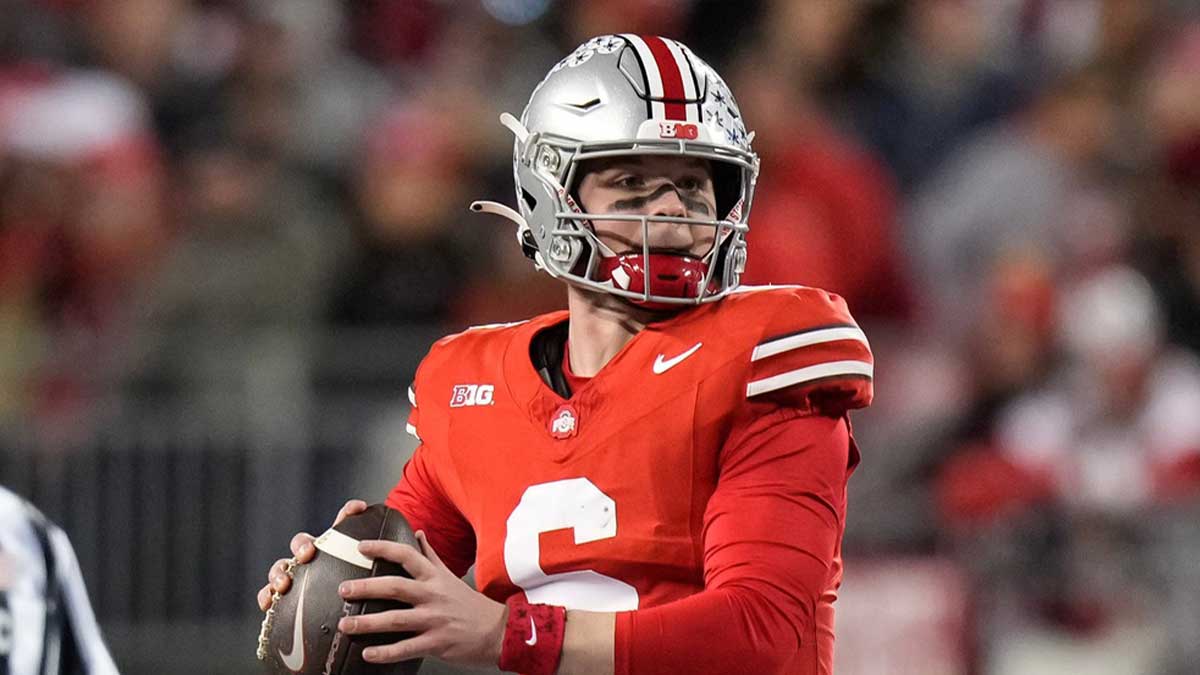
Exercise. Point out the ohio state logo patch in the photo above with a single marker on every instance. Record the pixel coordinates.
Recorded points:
(564, 423)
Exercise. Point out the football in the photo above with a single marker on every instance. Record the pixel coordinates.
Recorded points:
(299, 633)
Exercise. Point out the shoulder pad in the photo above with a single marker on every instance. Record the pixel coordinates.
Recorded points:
(811, 354)
(446, 355)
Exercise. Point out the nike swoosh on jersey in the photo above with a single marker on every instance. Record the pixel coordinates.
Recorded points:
(295, 659)
(662, 365)
(533, 633)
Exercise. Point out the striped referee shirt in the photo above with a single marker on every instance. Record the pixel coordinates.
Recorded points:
(45, 617)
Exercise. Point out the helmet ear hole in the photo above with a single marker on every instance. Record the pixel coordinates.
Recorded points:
(530, 200)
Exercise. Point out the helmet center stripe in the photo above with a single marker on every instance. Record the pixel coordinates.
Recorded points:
(672, 79)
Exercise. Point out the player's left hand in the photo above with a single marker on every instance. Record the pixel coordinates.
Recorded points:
(452, 621)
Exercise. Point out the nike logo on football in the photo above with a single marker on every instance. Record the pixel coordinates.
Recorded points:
(295, 659)
(533, 633)
(662, 365)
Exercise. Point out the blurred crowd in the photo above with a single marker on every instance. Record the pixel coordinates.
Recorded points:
(1007, 193)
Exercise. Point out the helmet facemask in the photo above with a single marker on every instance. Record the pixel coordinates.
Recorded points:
(654, 278)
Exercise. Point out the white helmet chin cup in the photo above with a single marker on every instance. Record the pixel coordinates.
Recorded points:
(628, 95)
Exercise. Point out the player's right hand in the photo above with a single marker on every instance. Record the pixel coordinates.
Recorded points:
(303, 551)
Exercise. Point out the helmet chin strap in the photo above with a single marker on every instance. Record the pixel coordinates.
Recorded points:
(605, 251)
(498, 209)
(514, 125)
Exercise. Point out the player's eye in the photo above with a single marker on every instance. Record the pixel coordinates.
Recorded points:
(629, 181)
(690, 183)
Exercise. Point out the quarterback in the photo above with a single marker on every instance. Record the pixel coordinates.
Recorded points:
(653, 481)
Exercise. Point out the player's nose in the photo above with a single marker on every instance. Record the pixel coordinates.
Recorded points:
(678, 236)
(669, 203)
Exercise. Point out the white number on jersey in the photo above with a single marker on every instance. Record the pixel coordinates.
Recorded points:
(574, 503)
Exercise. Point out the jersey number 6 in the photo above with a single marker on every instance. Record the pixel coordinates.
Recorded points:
(574, 503)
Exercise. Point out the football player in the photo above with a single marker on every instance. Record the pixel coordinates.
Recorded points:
(653, 481)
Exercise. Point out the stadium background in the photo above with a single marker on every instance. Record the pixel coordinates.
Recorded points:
(230, 228)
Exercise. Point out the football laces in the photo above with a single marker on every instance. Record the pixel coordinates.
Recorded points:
(269, 619)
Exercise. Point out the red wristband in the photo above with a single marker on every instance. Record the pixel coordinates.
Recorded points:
(533, 637)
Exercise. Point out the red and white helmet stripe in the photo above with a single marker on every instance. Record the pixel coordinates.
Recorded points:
(669, 76)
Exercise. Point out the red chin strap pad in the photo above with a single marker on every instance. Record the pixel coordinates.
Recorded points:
(673, 276)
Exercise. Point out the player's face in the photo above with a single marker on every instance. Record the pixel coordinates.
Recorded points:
(654, 186)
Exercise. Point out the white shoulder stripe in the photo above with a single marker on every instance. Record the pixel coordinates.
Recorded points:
(412, 431)
(812, 337)
(342, 547)
(412, 397)
(802, 375)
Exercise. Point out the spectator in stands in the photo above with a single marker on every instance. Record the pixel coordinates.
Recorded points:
(1168, 246)
(1007, 189)
(82, 224)
(410, 191)
(1068, 514)
(1115, 431)
(941, 76)
(825, 211)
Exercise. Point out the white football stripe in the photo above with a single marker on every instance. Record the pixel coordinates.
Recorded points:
(342, 547)
(412, 431)
(412, 397)
(801, 375)
(814, 337)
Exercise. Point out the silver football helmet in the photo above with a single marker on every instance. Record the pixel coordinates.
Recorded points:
(622, 95)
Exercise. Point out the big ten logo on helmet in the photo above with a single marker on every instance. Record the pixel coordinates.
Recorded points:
(684, 130)
(472, 394)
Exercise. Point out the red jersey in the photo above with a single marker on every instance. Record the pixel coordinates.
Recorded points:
(722, 427)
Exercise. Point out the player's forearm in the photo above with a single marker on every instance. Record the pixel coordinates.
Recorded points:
(750, 629)
(588, 643)
(681, 634)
